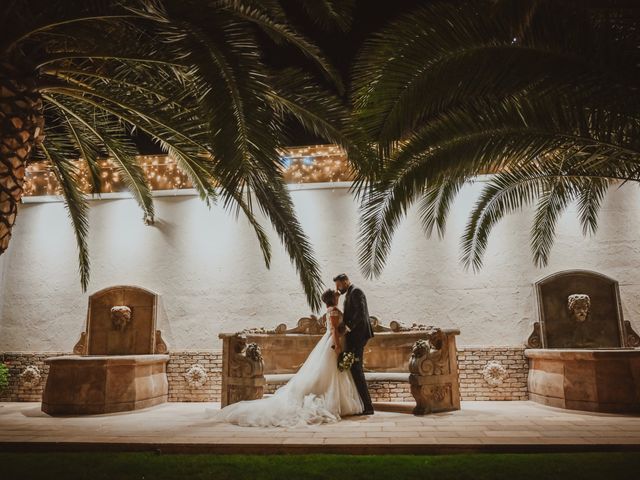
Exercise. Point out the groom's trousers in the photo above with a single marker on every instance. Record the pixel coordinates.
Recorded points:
(357, 372)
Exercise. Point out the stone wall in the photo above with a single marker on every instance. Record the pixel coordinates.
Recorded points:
(472, 363)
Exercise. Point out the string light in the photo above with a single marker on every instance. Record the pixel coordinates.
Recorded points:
(309, 164)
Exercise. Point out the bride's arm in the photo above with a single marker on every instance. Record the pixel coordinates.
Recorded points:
(335, 317)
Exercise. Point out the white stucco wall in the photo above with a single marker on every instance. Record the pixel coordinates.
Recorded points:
(210, 274)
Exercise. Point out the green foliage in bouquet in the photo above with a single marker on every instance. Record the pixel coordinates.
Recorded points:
(346, 360)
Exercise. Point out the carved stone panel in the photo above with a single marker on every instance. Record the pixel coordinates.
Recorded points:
(80, 348)
(579, 309)
(121, 320)
(434, 373)
(242, 370)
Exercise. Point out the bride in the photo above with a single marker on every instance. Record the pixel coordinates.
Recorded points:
(318, 393)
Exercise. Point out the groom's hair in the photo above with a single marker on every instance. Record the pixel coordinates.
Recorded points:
(342, 276)
(329, 298)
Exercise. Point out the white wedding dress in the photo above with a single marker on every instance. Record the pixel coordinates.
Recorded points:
(317, 393)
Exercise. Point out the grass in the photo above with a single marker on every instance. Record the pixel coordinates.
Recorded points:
(149, 466)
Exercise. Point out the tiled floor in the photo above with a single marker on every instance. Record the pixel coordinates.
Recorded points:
(491, 426)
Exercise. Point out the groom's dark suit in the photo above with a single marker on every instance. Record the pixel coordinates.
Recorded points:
(356, 317)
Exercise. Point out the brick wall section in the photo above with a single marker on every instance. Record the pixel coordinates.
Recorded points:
(17, 362)
(473, 386)
(390, 392)
(179, 364)
(471, 361)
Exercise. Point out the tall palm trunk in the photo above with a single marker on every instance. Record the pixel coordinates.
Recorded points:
(21, 125)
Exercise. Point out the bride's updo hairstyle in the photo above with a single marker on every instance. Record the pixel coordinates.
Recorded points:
(330, 298)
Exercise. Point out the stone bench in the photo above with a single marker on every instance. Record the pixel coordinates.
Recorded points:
(426, 357)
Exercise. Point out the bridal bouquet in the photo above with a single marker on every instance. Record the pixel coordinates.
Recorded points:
(346, 360)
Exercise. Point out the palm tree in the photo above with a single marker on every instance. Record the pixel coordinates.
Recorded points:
(542, 95)
(77, 78)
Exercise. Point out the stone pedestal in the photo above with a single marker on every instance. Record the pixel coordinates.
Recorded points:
(242, 370)
(592, 380)
(434, 373)
(86, 385)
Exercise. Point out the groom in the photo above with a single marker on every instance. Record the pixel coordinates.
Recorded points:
(356, 318)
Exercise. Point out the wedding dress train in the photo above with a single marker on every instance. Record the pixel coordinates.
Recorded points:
(317, 393)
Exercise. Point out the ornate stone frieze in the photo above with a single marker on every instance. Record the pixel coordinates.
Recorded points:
(494, 373)
(377, 326)
(396, 326)
(311, 325)
(262, 330)
(196, 376)
(316, 326)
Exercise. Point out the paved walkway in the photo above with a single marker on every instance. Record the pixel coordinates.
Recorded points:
(183, 427)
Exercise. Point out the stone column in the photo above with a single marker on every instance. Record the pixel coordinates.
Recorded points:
(242, 370)
(433, 375)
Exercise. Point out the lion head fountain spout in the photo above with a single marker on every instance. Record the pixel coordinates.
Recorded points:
(579, 305)
(120, 317)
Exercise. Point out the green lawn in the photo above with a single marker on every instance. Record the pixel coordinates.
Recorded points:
(116, 466)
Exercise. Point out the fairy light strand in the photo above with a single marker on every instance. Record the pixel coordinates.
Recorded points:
(309, 164)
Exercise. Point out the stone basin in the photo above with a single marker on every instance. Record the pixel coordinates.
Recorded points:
(94, 384)
(597, 380)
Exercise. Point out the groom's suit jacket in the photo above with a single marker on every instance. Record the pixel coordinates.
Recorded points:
(356, 316)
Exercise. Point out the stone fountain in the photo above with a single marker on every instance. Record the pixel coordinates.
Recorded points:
(582, 354)
(119, 363)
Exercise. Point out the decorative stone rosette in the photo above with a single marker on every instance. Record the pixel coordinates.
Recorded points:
(494, 373)
(30, 377)
(196, 376)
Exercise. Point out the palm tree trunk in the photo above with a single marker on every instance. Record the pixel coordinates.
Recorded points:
(21, 125)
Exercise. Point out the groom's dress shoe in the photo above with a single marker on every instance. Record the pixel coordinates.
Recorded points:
(366, 412)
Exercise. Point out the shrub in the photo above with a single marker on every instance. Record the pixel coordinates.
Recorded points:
(4, 377)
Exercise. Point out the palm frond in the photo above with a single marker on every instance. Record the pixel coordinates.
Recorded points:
(118, 145)
(66, 172)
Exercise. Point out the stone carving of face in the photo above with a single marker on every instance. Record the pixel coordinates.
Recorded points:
(579, 305)
(120, 317)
